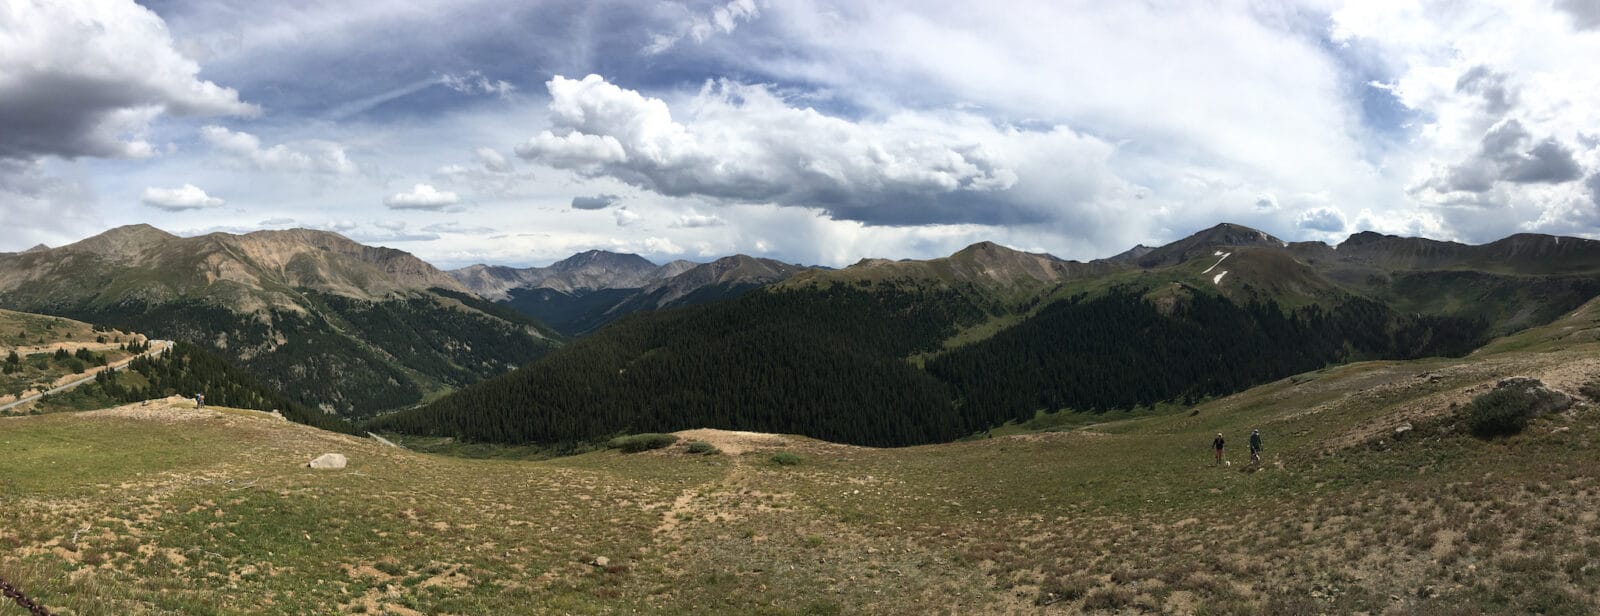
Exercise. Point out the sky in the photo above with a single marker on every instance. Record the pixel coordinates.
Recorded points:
(519, 132)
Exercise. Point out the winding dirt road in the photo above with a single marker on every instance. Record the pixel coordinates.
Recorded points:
(156, 346)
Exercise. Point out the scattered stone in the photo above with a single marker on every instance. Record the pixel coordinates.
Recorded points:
(601, 561)
(1404, 428)
(329, 461)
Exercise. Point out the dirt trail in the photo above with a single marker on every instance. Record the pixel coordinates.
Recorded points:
(717, 498)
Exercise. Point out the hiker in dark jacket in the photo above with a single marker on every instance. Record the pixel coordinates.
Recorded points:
(1255, 446)
(1217, 444)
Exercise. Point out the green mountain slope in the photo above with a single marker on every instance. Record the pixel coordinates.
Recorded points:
(339, 326)
(996, 335)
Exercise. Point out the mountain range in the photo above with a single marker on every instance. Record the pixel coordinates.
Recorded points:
(880, 352)
(582, 293)
(903, 352)
(347, 328)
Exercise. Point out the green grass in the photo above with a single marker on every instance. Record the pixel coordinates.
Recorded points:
(215, 513)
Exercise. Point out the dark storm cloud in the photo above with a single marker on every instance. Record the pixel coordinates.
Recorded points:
(1550, 162)
(1508, 153)
(86, 79)
(597, 202)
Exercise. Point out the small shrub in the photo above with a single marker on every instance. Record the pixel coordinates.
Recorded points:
(642, 442)
(784, 458)
(701, 447)
(1591, 391)
(1062, 588)
(1108, 599)
(1501, 412)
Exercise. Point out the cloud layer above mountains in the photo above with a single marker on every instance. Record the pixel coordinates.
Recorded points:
(808, 130)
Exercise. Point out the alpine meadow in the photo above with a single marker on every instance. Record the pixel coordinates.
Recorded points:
(799, 307)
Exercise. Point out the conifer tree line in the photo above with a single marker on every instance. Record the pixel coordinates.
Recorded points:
(315, 354)
(186, 370)
(831, 363)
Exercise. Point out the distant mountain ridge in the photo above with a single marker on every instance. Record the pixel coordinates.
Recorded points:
(583, 292)
(346, 327)
(587, 271)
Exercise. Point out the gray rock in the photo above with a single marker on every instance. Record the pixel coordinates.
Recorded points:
(329, 461)
(1402, 429)
(601, 561)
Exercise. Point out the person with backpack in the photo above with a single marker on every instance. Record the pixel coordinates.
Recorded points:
(1217, 445)
(1255, 446)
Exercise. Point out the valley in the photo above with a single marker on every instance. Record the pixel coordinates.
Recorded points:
(970, 434)
(799, 308)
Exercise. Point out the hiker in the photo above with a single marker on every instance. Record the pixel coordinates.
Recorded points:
(199, 401)
(1255, 446)
(1217, 444)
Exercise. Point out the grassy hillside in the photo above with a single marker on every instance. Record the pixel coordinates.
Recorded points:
(158, 509)
(38, 352)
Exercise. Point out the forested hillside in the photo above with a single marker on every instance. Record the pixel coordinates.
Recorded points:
(1120, 351)
(186, 370)
(830, 362)
(347, 355)
(825, 362)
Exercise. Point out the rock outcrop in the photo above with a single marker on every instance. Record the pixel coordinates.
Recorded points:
(329, 461)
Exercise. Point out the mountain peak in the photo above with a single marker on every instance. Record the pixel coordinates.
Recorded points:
(605, 259)
(123, 242)
(1222, 235)
(987, 250)
(37, 248)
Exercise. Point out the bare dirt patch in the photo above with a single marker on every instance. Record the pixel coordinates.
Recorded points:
(735, 443)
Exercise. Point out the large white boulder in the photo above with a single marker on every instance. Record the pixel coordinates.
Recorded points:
(329, 460)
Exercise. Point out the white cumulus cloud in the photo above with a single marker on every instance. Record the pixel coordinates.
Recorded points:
(422, 197)
(186, 197)
(744, 143)
(1325, 219)
(314, 156)
(696, 220)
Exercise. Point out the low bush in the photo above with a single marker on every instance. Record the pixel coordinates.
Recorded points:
(642, 442)
(1108, 599)
(1591, 391)
(1062, 588)
(701, 447)
(784, 458)
(1501, 412)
